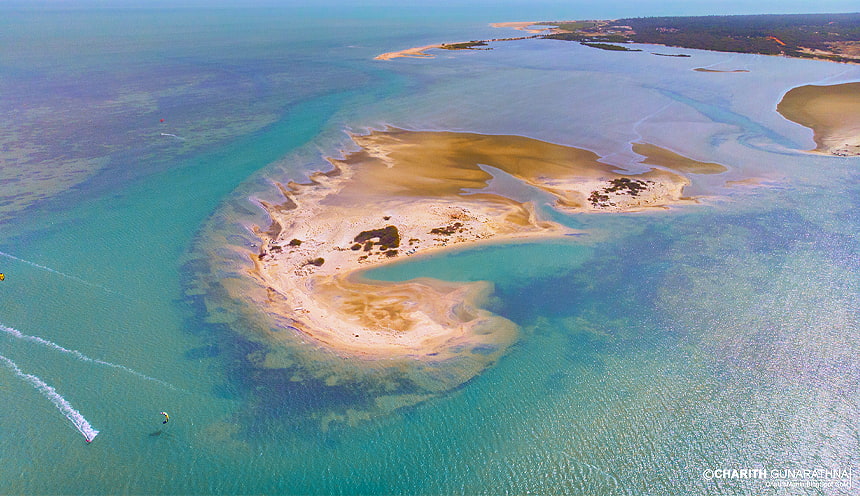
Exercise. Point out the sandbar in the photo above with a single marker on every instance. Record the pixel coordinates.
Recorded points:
(521, 26)
(728, 71)
(832, 112)
(421, 52)
(655, 155)
(415, 52)
(413, 193)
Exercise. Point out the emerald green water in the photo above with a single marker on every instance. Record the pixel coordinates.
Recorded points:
(650, 349)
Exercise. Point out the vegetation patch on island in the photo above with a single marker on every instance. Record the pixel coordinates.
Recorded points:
(622, 186)
(467, 45)
(388, 237)
(610, 47)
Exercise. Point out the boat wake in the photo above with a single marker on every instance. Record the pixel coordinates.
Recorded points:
(78, 420)
(63, 274)
(80, 356)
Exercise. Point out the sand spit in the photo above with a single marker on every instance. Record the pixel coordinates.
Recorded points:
(415, 52)
(421, 52)
(408, 193)
(832, 112)
(654, 155)
(522, 26)
(729, 71)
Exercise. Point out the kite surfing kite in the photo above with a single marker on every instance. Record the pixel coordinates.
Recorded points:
(166, 417)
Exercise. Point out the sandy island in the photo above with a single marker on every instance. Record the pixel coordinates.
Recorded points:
(410, 193)
(729, 71)
(832, 112)
(415, 52)
(421, 52)
(523, 26)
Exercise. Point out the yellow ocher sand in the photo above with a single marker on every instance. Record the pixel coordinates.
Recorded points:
(421, 52)
(832, 112)
(521, 26)
(415, 52)
(408, 193)
(654, 155)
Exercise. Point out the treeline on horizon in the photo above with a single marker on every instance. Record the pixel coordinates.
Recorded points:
(736, 33)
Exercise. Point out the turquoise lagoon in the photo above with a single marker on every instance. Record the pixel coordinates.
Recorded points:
(650, 349)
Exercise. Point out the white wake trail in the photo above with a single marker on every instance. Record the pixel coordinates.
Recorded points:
(63, 274)
(62, 405)
(80, 356)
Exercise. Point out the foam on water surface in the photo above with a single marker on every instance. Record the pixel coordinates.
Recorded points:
(66, 408)
(80, 356)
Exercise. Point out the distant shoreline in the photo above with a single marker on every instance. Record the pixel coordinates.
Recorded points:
(795, 35)
(831, 112)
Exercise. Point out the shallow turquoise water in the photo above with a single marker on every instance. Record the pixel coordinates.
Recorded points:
(650, 349)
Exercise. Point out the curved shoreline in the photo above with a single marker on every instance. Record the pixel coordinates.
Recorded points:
(408, 192)
(832, 112)
(836, 47)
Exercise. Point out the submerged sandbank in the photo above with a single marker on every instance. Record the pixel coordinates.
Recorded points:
(655, 155)
(832, 112)
(406, 193)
